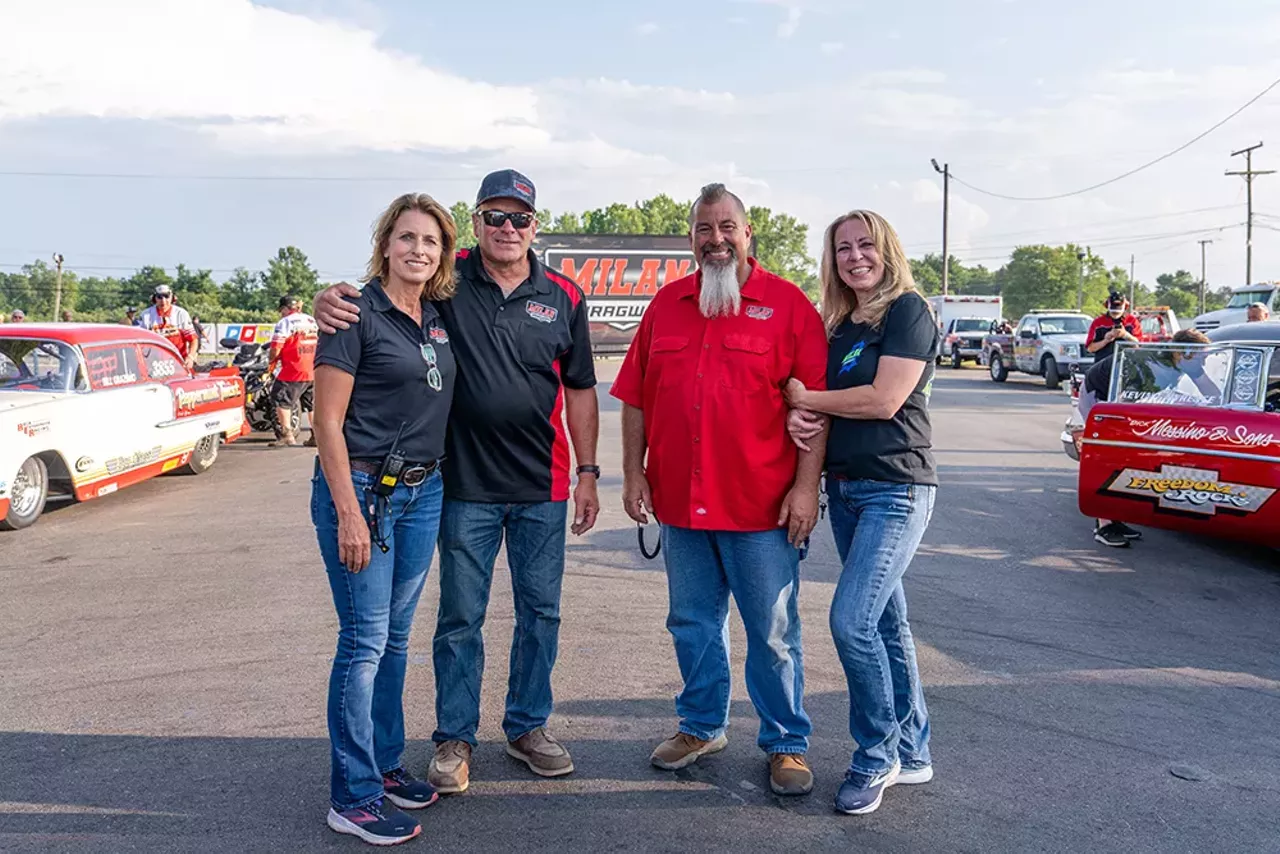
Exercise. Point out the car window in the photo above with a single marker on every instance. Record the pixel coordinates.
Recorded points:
(1152, 326)
(1028, 326)
(1064, 325)
(1273, 383)
(112, 366)
(1244, 299)
(161, 363)
(1173, 375)
(28, 364)
(972, 325)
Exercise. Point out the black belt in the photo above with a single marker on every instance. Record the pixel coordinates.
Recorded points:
(413, 474)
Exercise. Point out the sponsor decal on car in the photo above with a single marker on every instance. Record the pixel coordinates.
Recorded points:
(540, 312)
(169, 465)
(84, 464)
(108, 489)
(116, 465)
(1167, 429)
(1189, 490)
(33, 428)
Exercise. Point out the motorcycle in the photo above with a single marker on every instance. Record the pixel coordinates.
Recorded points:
(252, 361)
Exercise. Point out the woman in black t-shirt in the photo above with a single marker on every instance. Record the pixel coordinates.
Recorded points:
(384, 383)
(881, 480)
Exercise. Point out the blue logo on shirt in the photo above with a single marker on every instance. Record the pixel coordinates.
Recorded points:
(850, 361)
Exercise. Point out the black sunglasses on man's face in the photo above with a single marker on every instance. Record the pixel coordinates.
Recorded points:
(495, 219)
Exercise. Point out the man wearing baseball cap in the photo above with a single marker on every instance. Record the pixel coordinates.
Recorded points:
(520, 336)
(1115, 324)
(18, 316)
(171, 321)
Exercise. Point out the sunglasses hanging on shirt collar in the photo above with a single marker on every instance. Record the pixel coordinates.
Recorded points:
(433, 373)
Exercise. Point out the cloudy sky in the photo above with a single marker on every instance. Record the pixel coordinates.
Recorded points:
(213, 131)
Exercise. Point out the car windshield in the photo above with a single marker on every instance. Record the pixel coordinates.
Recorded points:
(973, 324)
(1064, 325)
(1244, 299)
(1173, 375)
(27, 364)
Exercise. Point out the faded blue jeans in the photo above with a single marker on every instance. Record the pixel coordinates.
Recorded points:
(878, 526)
(375, 614)
(470, 534)
(762, 571)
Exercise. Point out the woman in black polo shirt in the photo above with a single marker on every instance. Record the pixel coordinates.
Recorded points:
(386, 381)
(881, 479)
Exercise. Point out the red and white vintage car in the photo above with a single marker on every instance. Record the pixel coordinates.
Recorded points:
(86, 409)
(1189, 438)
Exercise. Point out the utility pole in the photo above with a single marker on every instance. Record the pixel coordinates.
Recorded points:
(945, 171)
(1203, 287)
(57, 292)
(1133, 285)
(1080, 256)
(1249, 174)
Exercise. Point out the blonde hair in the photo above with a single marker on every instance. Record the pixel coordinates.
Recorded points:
(839, 301)
(440, 286)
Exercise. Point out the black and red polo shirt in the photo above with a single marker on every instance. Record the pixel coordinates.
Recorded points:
(516, 354)
(1105, 323)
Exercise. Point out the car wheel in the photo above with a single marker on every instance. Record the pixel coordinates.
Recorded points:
(956, 359)
(203, 456)
(1051, 377)
(998, 372)
(27, 497)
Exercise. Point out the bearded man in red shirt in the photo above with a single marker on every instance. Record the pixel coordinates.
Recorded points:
(705, 449)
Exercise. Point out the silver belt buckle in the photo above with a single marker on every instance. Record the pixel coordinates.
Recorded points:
(414, 476)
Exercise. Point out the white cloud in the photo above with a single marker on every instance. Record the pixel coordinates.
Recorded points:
(788, 27)
(904, 77)
(648, 28)
(249, 76)
(831, 48)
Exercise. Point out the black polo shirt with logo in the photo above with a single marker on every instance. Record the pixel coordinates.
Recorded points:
(391, 359)
(516, 355)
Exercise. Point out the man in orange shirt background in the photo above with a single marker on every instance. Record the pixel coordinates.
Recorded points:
(701, 389)
(293, 348)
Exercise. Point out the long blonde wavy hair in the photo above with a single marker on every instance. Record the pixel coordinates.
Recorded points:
(839, 302)
(441, 284)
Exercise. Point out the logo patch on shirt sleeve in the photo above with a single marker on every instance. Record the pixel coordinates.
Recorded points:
(538, 311)
(759, 312)
(438, 335)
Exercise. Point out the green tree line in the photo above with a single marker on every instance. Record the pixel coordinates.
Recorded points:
(1037, 276)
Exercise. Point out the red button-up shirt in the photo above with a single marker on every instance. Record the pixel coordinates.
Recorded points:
(711, 392)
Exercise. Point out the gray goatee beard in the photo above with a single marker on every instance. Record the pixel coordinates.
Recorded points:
(721, 294)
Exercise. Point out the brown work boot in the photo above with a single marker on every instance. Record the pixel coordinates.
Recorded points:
(450, 769)
(311, 440)
(286, 440)
(683, 749)
(789, 774)
(545, 756)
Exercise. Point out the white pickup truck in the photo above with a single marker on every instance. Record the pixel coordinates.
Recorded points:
(1044, 343)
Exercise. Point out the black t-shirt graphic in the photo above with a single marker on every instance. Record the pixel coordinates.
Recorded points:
(899, 449)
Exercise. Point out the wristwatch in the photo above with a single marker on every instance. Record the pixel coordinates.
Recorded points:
(595, 470)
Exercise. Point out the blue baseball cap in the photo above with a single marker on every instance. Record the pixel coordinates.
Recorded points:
(507, 184)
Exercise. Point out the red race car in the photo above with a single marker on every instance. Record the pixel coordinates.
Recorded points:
(1189, 438)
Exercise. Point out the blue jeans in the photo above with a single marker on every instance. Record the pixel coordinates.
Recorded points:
(762, 571)
(878, 526)
(375, 614)
(470, 534)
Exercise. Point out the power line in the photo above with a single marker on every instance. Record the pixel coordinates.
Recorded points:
(1063, 228)
(1135, 171)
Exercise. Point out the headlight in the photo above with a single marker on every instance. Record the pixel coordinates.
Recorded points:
(1069, 350)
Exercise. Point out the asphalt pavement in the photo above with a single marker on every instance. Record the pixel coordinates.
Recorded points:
(164, 654)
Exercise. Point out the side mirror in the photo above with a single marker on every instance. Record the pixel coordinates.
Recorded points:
(1027, 333)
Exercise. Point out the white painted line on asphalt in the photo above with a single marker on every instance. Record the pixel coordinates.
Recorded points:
(583, 786)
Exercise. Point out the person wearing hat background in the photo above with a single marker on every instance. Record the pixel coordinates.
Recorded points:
(171, 321)
(17, 316)
(1114, 324)
(522, 341)
(293, 349)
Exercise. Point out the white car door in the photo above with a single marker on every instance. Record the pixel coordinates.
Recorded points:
(122, 411)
